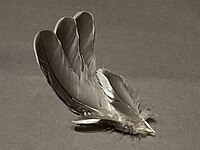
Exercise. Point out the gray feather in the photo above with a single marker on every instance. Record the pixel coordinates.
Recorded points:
(120, 87)
(67, 34)
(86, 30)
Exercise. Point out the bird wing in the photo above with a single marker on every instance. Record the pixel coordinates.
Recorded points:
(66, 57)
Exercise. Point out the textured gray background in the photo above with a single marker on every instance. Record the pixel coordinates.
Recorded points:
(153, 43)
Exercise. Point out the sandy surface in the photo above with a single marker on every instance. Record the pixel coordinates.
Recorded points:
(154, 43)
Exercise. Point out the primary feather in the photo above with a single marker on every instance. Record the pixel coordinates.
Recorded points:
(86, 31)
(66, 57)
(67, 34)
